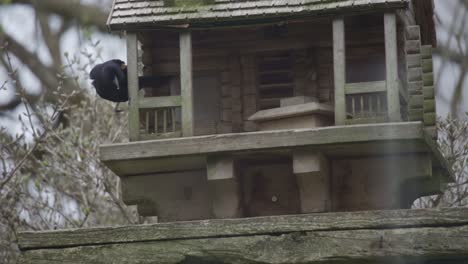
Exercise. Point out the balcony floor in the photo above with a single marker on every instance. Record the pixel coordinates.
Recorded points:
(167, 155)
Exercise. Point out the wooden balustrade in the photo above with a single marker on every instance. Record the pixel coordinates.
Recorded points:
(160, 117)
(366, 102)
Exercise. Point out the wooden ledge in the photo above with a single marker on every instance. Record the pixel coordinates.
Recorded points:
(293, 111)
(190, 153)
(251, 141)
(370, 237)
(336, 221)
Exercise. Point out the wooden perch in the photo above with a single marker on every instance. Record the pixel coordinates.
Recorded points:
(429, 234)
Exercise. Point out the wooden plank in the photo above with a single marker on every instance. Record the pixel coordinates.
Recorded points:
(436, 245)
(426, 52)
(186, 83)
(428, 92)
(427, 65)
(414, 74)
(391, 60)
(160, 102)
(292, 111)
(365, 87)
(245, 227)
(413, 60)
(175, 134)
(412, 33)
(367, 120)
(413, 47)
(261, 141)
(339, 66)
(132, 72)
(430, 119)
(416, 101)
(429, 105)
(428, 79)
(415, 114)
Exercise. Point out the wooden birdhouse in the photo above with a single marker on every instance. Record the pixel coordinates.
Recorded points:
(259, 108)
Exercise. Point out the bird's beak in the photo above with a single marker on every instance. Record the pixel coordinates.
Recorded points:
(123, 66)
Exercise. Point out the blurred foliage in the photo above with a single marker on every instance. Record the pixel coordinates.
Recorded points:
(453, 143)
(51, 173)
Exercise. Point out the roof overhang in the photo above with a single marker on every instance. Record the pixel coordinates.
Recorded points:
(152, 14)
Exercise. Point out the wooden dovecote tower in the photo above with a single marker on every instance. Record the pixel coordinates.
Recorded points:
(304, 113)
(276, 107)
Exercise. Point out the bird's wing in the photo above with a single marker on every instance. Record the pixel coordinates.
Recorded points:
(116, 82)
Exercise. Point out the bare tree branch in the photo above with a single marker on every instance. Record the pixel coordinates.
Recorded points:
(87, 15)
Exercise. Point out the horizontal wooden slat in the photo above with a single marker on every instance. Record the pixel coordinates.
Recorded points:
(428, 92)
(160, 102)
(365, 87)
(366, 120)
(261, 140)
(245, 227)
(161, 136)
(448, 245)
(430, 119)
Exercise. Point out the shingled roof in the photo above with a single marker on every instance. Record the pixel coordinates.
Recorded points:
(139, 14)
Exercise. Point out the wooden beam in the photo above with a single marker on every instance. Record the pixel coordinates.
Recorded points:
(160, 102)
(391, 60)
(365, 87)
(186, 83)
(244, 227)
(313, 179)
(411, 245)
(261, 141)
(339, 66)
(132, 72)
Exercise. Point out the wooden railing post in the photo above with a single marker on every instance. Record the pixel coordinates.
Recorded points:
(132, 71)
(339, 70)
(186, 83)
(391, 61)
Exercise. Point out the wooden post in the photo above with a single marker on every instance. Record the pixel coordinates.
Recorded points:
(132, 70)
(313, 177)
(223, 187)
(186, 82)
(391, 60)
(339, 67)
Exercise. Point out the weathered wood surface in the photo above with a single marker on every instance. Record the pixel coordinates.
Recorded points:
(391, 59)
(160, 102)
(339, 70)
(366, 87)
(186, 83)
(148, 14)
(292, 111)
(132, 69)
(261, 140)
(319, 238)
(245, 227)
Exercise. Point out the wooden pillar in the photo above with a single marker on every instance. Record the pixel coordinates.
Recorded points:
(132, 72)
(224, 187)
(186, 83)
(391, 61)
(313, 177)
(339, 70)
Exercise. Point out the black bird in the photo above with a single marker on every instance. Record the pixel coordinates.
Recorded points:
(110, 81)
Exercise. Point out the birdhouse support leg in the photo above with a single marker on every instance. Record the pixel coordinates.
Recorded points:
(313, 177)
(224, 187)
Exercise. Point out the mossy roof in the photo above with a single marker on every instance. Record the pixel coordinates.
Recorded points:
(147, 14)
